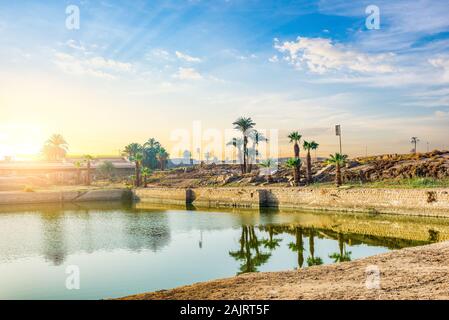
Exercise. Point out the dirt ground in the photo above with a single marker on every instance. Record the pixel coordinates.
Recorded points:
(411, 273)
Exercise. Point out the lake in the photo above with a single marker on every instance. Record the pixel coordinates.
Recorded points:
(126, 249)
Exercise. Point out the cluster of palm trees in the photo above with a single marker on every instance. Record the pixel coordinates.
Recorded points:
(55, 148)
(295, 162)
(147, 157)
(246, 154)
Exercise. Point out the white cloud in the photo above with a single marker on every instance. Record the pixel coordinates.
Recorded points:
(188, 74)
(319, 55)
(159, 54)
(75, 45)
(441, 63)
(99, 67)
(186, 57)
(274, 59)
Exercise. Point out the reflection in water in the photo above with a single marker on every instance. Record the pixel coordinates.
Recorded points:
(147, 247)
(250, 253)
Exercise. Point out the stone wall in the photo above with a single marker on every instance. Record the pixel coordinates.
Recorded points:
(20, 197)
(432, 202)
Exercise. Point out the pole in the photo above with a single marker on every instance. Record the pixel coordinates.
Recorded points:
(340, 143)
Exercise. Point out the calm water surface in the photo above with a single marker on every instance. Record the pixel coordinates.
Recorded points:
(122, 250)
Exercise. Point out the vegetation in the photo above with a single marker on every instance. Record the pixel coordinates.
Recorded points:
(298, 246)
(146, 172)
(55, 148)
(88, 158)
(295, 137)
(244, 125)
(107, 170)
(268, 165)
(338, 160)
(294, 163)
(309, 146)
(414, 141)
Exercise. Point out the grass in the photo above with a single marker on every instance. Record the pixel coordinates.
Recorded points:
(412, 183)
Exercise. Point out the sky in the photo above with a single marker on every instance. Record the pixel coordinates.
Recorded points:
(140, 69)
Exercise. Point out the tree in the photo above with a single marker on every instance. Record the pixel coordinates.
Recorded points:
(294, 163)
(146, 172)
(414, 141)
(244, 125)
(150, 150)
(77, 165)
(88, 158)
(268, 165)
(138, 162)
(132, 149)
(338, 160)
(257, 137)
(295, 137)
(107, 170)
(343, 255)
(55, 148)
(237, 144)
(162, 157)
(309, 146)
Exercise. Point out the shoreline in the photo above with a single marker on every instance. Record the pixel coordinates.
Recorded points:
(410, 273)
(419, 202)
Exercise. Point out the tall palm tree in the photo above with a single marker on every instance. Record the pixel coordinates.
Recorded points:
(146, 172)
(237, 143)
(309, 146)
(257, 137)
(77, 165)
(162, 157)
(295, 137)
(338, 160)
(414, 141)
(88, 158)
(294, 163)
(55, 148)
(244, 125)
(137, 158)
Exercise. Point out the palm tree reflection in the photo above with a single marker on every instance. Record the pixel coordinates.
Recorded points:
(298, 246)
(343, 255)
(249, 254)
(312, 260)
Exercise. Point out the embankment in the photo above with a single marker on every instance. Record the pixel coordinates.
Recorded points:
(54, 196)
(429, 202)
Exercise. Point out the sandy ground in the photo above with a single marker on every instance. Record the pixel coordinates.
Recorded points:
(412, 273)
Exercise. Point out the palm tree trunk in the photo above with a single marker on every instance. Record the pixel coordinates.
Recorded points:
(338, 175)
(245, 153)
(296, 175)
(296, 149)
(88, 173)
(137, 183)
(309, 167)
(145, 183)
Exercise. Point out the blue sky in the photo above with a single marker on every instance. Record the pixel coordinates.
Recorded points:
(149, 67)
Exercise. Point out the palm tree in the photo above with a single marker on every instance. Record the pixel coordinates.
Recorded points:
(137, 158)
(244, 125)
(268, 165)
(257, 137)
(77, 165)
(294, 163)
(88, 158)
(295, 137)
(162, 157)
(414, 141)
(146, 172)
(237, 143)
(55, 148)
(309, 146)
(271, 243)
(338, 160)
(132, 149)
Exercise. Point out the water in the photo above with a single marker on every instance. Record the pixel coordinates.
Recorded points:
(122, 250)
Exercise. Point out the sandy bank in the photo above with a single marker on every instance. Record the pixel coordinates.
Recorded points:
(412, 273)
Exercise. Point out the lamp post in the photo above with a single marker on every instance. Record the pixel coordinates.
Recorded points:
(338, 133)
